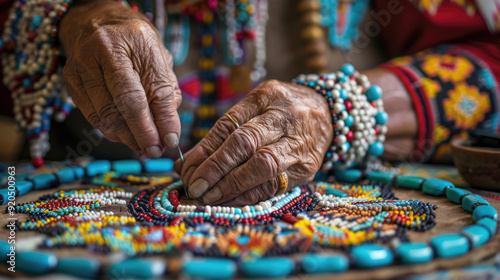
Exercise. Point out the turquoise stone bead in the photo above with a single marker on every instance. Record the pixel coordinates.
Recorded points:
(409, 182)
(348, 69)
(469, 201)
(484, 211)
(66, 175)
(490, 224)
(373, 93)
(5, 194)
(137, 269)
(376, 149)
(276, 267)
(477, 234)
(349, 121)
(412, 253)
(348, 175)
(79, 267)
(313, 263)
(43, 181)
(449, 245)
(79, 172)
(454, 194)
(127, 166)
(343, 95)
(35, 263)
(436, 187)
(161, 165)
(371, 255)
(4, 250)
(210, 268)
(380, 177)
(335, 192)
(381, 117)
(98, 167)
(24, 187)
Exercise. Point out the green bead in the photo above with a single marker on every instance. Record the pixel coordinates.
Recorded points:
(436, 187)
(79, 267)
(449, 245)
(472, 200)
(335, 192)
(35, 263)
(380, 177)
(409, 182)
(454, 194)
(348, 175)
(137, 269)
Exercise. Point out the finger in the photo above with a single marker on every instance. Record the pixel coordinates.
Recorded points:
(130, 99)
(241, 112)
(79, 96)
(262, 192)
(239, 147)
(268, 163)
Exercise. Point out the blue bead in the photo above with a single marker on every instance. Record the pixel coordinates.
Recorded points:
(484, 211)
(478, 235)
(449, 245)
(371, 255)
(66, 175)
(79, 267)
(349, 121)
(454, 194)
(348, 69)
(381, 117)
(373, 93)
(380, 177)
(210, 268)
(161, 165)
(409, 182)
(490, 224)
(343, 94)
(79, 172)
(313, 263)
(347, 146)
(335, 192)
(348, 175)
(137, 269)
(5, 194)
(129, 166)
(376, 149)
(35, 263)
(469, 201)
(412, 253)
(43, 181)
(98, 167)
(276, 267)
(35, 22)
(343, 79)
(24, 187)
(26, 82)
(436, 187)
(4, 250)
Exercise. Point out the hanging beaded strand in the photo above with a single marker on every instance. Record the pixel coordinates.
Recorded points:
(313, 36)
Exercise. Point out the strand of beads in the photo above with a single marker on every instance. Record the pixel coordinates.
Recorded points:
(358, 115)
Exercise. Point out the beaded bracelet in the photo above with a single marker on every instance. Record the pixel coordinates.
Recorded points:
(358, 115)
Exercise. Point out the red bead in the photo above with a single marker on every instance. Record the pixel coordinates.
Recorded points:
(37, 162)
(349, 136)
(348, 105)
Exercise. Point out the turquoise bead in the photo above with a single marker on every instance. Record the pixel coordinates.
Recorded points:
(313, 263)
(79, 172)
(469, 201)
(381, 117)
(5, 194)
(335, 192)
(371, 255)
(373, 93)
(98, 167)
(490, 224)
(436, 187)
(35, 263)
(349, 121)
(343, 95)
(348, 69)
(24, 187)
(412, 253)
(348, 175)
(380, 177)
(137, 269)
(79, 267)
(449, 245)
(484, 211)
(210, 268)
(66, 175)
(478, 235)
(43, 181)
(4, 250)
(127, 166)
(454, 194)
(161, 165)
(409, 182)
(275, 267)
(376, 149)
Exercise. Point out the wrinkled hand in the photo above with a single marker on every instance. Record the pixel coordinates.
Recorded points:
(120, 76)
(283, 128)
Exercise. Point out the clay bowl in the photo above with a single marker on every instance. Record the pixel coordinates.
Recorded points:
(479, 166)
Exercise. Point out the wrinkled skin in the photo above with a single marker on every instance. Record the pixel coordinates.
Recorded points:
(120, 76)
(283, 129)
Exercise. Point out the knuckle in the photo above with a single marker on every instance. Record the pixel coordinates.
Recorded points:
(267, 163)
(246, 140)
(130, 102)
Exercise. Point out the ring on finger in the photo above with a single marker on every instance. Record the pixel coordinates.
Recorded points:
(233, 120)
(283, 180)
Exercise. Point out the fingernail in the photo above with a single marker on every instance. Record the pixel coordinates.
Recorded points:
(153, 152)
(213, 195)
(171, 140)
(198, 188)
(187, 175)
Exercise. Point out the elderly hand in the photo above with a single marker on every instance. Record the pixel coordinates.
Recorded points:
(283, 128)
(120, 76)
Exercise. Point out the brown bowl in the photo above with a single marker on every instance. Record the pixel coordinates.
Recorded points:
(479, 166)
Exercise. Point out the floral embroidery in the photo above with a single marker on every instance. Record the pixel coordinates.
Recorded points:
(431, 87)
(441, 133)
(466, 105)
(448, 67)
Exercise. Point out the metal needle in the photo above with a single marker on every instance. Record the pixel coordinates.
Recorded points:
(182, 159)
